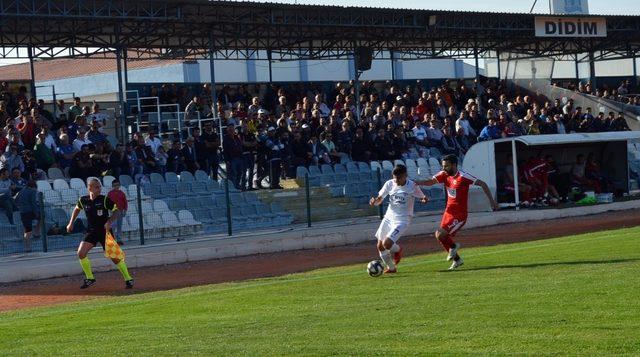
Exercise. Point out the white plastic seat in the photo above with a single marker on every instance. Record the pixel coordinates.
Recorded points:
(107, 181)
(52, 197)
(69, 195)
(387, 165)
(77, 184)
(43, 186)
(60, 184)
(159, 206)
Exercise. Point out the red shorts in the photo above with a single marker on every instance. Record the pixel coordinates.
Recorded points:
(452, 224)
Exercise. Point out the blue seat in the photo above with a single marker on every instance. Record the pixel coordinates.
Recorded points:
(171, 177)
(202, 176)
(198, 187)
(314, 171)
(186, 176)
(156, 178)
(169, 190)
(125, 180)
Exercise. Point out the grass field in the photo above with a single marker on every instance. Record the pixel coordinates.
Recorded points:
(570, 295)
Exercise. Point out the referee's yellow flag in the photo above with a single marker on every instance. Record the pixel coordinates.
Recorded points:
(111, 248)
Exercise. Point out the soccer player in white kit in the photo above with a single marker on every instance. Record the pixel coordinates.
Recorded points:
(402, 193)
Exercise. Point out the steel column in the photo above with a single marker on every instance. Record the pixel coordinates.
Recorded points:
(122, 117)
(32, 72)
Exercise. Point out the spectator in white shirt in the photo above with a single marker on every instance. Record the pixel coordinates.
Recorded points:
(322, 107)
(464, 124)
(80, 140)
(153, 142)
(98, 116)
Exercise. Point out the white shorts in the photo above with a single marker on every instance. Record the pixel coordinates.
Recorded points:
(391, 229)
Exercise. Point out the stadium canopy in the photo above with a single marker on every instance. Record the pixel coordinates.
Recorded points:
(241, 30)
(487, 159)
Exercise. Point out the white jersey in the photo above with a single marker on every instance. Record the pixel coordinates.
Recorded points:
(401, 199)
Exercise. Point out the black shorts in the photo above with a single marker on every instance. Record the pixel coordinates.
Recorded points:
(95, 236)
(27, 220)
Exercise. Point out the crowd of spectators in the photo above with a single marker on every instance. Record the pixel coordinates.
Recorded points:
(625, 92)
(269, 130)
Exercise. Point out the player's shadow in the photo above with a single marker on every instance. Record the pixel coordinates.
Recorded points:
(538, 265)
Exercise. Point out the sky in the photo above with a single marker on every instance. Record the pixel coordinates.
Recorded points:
(603, 7)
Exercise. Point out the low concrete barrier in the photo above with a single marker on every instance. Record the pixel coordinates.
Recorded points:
(322, 235)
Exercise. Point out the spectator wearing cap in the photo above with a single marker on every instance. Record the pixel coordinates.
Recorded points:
(120, 199)
(81, 139)
(27, 203)
(232, 149)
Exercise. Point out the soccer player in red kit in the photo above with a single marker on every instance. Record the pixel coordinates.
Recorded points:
(457, 184)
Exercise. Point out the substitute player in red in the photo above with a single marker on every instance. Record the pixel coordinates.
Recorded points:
(457, 183)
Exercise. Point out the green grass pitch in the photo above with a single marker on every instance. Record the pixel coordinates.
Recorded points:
(577, 295)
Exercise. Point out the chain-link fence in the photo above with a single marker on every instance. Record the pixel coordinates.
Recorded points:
(185, 205)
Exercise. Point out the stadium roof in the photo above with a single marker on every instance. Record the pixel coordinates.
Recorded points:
(188, 28)
(577, 138)
(59, 68)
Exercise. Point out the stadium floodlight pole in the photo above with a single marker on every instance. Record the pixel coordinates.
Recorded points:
(514, 158)
(577, 69)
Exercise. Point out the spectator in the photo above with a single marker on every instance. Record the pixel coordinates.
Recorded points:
(317, 152)
(619, 123)
(94, 135)
(81, 165)
(434, 134)
(152, 141)
(64, 152)
(329, 146)
(6, 200)
(211, 141)
(232, 148)
(11, 159)
(463, 141)
(75, 110)
(175, 161)
(100, 118)
(190, 155)
(490, 132)
(44, 156)
(275, 147)
(120, 199)
(384, 146)
(464, 124)
(118, 163)
(27, 203)
(161, 159)
(17, 180)
(361, 147)
(249, 151)
(578, 175)
(80, 140)
(449, 144)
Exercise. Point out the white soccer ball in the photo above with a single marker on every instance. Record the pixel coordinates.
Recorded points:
(375, 268)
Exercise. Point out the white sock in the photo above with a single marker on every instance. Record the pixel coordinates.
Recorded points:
(386, 258)
(395, 248)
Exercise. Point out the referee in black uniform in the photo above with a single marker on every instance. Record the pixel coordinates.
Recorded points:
(96, 207)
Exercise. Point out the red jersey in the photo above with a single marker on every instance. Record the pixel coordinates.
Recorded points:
(457, 187)
(119, 198)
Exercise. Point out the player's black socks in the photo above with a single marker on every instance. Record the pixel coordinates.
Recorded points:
(457, 257)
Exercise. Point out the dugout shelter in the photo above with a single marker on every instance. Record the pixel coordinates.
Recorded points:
(487, 160)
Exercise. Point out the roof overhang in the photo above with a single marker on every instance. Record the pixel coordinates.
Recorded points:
(578, 138)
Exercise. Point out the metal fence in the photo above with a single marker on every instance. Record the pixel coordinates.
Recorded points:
(183, 206)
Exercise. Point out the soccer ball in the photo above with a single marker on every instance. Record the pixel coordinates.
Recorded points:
(375, 268)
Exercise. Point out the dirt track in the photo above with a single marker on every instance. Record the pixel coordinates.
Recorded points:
(61, 290)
